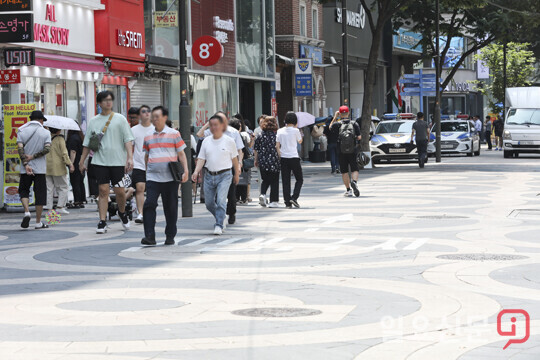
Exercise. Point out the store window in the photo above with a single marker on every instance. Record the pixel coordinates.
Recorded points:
(270, 50)
(161, 29)
(315, 23)
(250, 38)
(76, 101)
(120, 98)
(303, 20)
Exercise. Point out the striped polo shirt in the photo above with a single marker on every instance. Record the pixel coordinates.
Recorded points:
(162, 148)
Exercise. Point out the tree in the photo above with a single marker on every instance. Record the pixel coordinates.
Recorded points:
(520, 69)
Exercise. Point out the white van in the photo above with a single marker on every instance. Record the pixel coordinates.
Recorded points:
(522, 126)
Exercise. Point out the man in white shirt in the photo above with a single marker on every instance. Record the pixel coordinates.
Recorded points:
(234, 134)
(287, 142)
(138, 177)
(219, 155)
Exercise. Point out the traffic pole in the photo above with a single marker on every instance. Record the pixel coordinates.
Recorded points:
(344, 42)
(185, 108)
(437, 117)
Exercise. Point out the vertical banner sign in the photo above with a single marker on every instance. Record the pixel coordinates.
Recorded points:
(303, 78)
(15, 116)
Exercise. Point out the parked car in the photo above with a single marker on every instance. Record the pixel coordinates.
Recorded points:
(457, 137)
(392, 141)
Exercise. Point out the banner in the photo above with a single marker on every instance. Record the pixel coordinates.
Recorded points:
(15, 116)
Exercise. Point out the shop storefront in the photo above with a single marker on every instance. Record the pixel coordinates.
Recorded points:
(119, 29)
(358, 54)
(62, 80)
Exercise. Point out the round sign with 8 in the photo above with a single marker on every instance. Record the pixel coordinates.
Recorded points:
(206, 50)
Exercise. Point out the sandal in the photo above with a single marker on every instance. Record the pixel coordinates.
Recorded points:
(41, 225)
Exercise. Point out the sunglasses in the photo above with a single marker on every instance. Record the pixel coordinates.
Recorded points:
(145, 111)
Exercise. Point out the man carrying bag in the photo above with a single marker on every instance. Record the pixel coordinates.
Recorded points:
(166, 168)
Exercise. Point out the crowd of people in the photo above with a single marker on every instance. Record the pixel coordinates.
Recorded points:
(130, 163)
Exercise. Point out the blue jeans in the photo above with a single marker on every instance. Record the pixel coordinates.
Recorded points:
(332, 150)
(216, 188)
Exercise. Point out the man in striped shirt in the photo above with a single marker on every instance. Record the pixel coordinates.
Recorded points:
(165, 145)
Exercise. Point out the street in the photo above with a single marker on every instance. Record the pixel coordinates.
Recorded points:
(416, 268)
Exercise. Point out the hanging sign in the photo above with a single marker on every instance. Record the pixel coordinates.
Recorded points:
(206, 51)
(303, 77)
(15, 5)
(10, 77)
(163, 21)
(16, 27)
(19, 56)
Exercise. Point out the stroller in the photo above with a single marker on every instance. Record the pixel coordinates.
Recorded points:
(113, 205)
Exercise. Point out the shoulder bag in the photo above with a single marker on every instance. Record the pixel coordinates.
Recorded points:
(94, 143)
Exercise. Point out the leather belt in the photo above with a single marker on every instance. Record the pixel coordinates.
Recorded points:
(214, 173)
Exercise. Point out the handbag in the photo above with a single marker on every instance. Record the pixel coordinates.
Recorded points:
(94, 143)
(248, 163)
(177, 170)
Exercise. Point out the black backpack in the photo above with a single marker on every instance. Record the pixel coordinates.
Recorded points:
(347, 138)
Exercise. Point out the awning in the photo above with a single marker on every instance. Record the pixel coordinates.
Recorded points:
(286, 60)
(127, 66)
(68, 62)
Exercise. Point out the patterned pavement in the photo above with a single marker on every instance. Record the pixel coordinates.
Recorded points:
(341, 278)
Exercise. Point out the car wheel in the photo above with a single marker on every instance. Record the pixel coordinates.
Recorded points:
(477, 153)
(507, 154)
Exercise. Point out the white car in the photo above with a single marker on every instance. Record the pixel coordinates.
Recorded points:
(457, 137)
(392, 141)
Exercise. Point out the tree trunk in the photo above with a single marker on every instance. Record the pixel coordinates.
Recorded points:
(370, 79)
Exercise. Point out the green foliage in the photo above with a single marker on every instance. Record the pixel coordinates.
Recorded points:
(520, 69)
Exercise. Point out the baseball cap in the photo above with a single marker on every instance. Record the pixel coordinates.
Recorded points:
(343, 109)
(37, 115)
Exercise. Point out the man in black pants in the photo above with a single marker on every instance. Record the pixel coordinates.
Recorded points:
(421, 129)
(287, 142)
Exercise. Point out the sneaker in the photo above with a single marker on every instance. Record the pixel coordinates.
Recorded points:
(218, 230)
(25, 222)
(496, 149)
(62, 211)
(295, 204)
(125, 220)
(262, 200)
(41, 225)
(232, 220)
(169, 241)
(355, 190)
(150, 241)
(333, 172)
(139, 219)
(101, 227)
(501, 149)
(338, 171)
(288, 206)
(348, 193)
(273, 205)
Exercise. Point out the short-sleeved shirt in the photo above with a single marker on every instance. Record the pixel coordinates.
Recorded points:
(420, 127)
(267, 155)
(499, 127)
(112, 151)
(288, 138)
(478, 125)
(140, 133)
(232, 133)
(488, 126)
(34, 137)
(334, 130)
(162, 148)
(74, 143)
(218, 154)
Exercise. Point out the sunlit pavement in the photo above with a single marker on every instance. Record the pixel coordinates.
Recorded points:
(418, 267)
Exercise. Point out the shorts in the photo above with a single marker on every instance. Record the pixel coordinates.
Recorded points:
(346, 161)
(40, 188)
(108, 174)
(138, 176)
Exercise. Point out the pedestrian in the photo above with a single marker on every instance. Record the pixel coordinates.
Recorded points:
(478, 125)
(268, 162)
(347, 133)
(234, 134)
(163, 148)
(33, 143)
(138, 177)
(242, 188)
(219, 156)
(498, 125)
(258, 131)
(111, 139)
(287, 141)
(332, 146)
(488, 128)
(133, 116)
(76, 178)
(57, 162)
(420, 128)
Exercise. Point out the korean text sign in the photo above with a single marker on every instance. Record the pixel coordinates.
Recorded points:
(303, 77)
(15, 116)
(16, 27)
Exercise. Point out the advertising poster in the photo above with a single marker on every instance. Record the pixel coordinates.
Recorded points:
(15, 116)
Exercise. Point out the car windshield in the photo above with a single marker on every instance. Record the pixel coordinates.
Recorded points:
(392, 127)
(523, 117)
(454, 126)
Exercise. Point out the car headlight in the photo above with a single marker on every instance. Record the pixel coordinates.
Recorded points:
(465, 139)
(507, 135)
(375, 142)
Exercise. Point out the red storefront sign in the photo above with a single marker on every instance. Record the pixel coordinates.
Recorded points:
(215, 18)
(10, 77)
(206, 51)
(119, 31)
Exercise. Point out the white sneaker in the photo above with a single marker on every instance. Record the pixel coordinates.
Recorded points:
(62, 211)
(218, 230)
(273, 205)
(262, 200)
(139, 219)
(348, 193)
